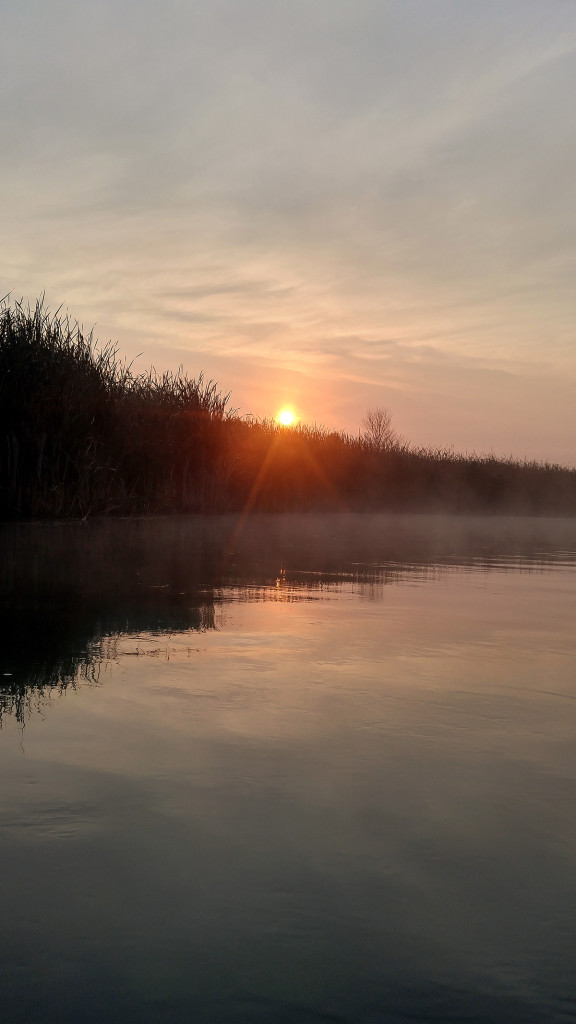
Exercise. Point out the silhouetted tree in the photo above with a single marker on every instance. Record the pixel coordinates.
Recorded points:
(378, 432)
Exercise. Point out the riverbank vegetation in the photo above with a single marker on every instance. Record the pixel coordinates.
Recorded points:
(82, 434)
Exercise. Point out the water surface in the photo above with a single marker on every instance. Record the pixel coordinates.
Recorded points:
(288, 770)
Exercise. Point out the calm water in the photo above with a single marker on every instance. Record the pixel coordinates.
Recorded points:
(289, 770)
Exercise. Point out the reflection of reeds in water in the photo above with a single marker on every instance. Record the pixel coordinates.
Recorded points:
(81, 434)
(32, 692)
(70, 592)
(59, 646)
(35, 683)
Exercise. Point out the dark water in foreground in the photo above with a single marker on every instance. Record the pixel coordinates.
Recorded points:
(296, 770)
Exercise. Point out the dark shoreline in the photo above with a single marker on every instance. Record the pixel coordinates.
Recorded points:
(81, 436)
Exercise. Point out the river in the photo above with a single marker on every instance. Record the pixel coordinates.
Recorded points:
(288, 769)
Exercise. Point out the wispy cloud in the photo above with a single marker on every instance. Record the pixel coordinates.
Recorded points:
(377, 193)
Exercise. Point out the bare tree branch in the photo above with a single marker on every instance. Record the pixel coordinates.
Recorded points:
(378, 432)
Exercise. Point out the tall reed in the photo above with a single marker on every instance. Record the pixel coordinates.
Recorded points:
(81, 434)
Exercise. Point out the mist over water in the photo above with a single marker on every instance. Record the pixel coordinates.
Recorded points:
(289, 769)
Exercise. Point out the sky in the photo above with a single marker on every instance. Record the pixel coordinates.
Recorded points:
(331, 204)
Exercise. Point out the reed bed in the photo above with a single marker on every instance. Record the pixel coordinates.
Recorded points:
(81, 434)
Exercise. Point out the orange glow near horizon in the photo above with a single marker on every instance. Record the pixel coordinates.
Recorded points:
(287, 417)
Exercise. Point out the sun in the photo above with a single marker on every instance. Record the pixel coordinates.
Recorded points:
(286, 417)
